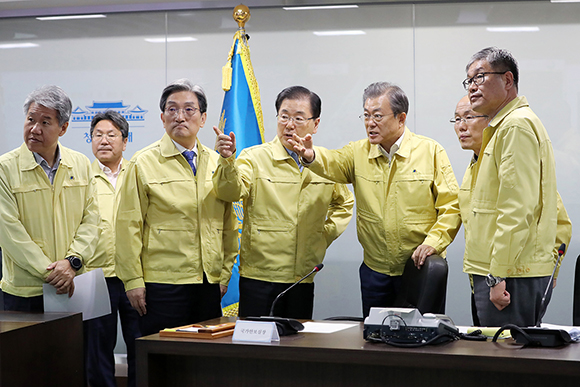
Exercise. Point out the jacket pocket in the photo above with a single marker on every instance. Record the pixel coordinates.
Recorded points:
(170, 249)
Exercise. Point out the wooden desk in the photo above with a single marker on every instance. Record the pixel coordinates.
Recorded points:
(345, 359)
(41, 349)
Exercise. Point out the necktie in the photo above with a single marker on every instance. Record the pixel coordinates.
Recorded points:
(189, 156)
(294, 155)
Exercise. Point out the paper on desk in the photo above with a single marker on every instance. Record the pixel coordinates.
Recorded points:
(321, 327)
(91, 296)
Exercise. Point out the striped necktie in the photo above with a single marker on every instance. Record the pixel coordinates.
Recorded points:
(189, 156)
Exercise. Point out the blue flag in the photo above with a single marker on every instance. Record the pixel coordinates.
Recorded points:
(241, 114)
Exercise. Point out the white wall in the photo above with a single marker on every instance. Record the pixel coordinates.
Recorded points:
(423, 48)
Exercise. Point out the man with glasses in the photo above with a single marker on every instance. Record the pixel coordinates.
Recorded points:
(291, 215)
(469, 127)
(109, 132)
(49, 223)
(511, 214)
(405, 189)
(176, 241)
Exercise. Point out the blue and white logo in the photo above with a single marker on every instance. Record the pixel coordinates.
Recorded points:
(134, 116)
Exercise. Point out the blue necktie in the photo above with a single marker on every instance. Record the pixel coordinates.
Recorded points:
(189, 155)
(294, 155)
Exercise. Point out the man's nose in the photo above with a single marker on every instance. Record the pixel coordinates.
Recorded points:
(36, 128)
(180, 115)
(472, 87)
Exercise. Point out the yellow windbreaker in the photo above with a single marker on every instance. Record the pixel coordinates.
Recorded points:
(42, 223)
(290, 217)
(104, 256)
(171, 228)
(564, 229)
(513, 221)
(401, 205)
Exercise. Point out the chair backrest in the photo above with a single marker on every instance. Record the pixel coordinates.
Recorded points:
(576, 302)
(424, 289)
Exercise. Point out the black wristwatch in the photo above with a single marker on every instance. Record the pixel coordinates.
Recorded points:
(491, 281)
(75, 262)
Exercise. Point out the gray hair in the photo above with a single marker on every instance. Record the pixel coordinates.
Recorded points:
(115, 117)
(52, 97)
(184, 85)
(397, 97)
(499, 59)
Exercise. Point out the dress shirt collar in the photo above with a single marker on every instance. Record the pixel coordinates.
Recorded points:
(50, 172)
(112, 176)
(389, 154)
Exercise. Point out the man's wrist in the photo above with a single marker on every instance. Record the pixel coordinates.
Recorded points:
(492, 281)
(305, 162)
(75, 262)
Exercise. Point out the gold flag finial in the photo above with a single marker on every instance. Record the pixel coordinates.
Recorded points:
(241, 15)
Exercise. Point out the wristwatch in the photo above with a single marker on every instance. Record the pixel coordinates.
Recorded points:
(491, 281)
(75, 262)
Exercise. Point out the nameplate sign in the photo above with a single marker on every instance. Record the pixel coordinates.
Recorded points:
(256, 331)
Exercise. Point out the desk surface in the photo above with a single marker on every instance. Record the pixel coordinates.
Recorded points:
(10, 321)
(348, 349)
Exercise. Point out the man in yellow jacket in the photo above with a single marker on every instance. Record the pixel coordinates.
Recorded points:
(176, 241)
(49, 222)
(405, 189)
(109, 133)
(291, 215)
(514, 198)
(469, 127)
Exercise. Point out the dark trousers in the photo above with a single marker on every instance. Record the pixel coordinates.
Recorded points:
(377, 289)
(170, 306)
(525, 299)
(256, 299)
(101, 338)
(23, 304)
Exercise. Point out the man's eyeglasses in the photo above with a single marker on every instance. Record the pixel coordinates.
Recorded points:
(458, 120)
(174, 112)
(285, 118)
(375, 117)
(478, 79)
(99, 136)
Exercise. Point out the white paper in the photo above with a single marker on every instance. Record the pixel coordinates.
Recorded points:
(190, 329)
(321, 327)
(91, 296)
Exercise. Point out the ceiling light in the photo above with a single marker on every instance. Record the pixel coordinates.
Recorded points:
(339, 33)
(70, 17)
(18, 45)
(320, 7)
(513, 29)
(171, 40)
(565, 1)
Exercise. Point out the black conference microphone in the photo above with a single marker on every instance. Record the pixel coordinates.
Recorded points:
(317, 268)
(286, 326)
(543, 305)
(543, 337)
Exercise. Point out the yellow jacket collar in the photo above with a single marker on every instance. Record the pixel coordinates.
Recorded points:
(404, 149)
(168, 148)
(514, 104)
(278, 150)
(28, 162)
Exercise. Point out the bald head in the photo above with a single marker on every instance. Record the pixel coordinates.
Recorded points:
(469, 126)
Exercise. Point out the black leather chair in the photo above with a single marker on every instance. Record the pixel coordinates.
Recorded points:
(424, 289)
(576, 302)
